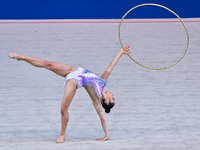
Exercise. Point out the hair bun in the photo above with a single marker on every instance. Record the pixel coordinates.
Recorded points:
(107, 111)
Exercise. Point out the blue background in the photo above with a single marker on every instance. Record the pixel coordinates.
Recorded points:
(92, 9)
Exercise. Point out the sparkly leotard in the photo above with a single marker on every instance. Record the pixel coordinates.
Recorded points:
(84, 77)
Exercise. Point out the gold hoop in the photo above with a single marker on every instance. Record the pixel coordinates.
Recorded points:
(152, 4)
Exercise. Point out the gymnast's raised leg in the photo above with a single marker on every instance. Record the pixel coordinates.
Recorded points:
(58, 68)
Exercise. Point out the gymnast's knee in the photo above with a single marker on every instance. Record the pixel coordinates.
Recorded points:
(47, 64)
(63, 110)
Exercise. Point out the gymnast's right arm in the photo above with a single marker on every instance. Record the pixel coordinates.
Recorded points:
(110, 68)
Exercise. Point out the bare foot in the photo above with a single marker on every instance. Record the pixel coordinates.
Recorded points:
(103, 139)
(13, 55)
(61, 139)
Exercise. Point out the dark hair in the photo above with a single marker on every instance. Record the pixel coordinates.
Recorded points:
(106, 106)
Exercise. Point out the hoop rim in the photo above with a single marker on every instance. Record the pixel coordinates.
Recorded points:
(158, 5)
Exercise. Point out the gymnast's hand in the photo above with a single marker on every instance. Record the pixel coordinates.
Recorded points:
(103, 139)
(126, 51)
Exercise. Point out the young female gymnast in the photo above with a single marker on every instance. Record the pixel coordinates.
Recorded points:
(76, 77)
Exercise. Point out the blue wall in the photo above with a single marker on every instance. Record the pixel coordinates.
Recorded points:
(91, 9)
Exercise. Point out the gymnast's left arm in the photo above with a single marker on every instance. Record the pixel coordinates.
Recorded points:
(104, 125)
(97, 106)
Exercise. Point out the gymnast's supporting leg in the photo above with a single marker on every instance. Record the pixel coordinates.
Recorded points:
(70, 90)
(58, 68)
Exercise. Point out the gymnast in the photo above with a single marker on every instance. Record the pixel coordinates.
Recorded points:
(76, 77)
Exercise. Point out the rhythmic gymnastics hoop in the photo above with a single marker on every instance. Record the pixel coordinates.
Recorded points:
(158, 5)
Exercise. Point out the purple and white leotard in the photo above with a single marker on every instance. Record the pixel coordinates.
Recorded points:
(84, 77)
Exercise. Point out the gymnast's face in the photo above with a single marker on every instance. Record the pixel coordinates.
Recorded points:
(110, 97)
